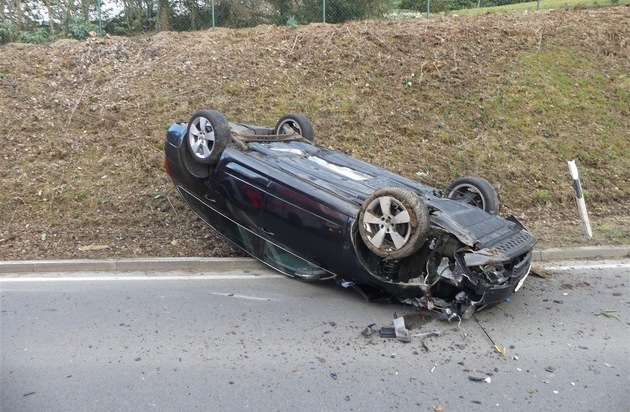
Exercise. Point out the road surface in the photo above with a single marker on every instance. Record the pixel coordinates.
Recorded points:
(259, 341)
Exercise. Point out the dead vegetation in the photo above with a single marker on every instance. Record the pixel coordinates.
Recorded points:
(508, 97)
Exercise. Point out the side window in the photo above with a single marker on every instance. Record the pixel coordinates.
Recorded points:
(285, 261)
(206, 213)
(242, 237)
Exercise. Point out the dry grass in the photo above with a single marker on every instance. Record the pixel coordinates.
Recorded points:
(507, 97)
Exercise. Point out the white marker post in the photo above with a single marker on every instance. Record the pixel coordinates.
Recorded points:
(579, 196)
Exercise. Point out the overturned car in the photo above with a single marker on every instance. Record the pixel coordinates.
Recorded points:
(315, 214)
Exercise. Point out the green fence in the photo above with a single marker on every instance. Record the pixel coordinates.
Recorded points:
(46, 20)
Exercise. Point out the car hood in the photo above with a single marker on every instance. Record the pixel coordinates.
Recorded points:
(491, 238)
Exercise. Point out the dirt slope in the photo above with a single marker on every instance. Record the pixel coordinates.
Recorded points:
(507, 97)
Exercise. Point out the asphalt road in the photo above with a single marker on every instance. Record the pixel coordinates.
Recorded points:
(258, 341)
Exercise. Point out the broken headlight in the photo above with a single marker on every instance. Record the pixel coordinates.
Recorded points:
(494, 274)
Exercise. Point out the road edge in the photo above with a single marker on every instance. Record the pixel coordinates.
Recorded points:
(229, 264)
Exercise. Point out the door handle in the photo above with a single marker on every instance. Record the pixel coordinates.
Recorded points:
(267, 231)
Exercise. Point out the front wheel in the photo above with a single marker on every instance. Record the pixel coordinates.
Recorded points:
(207, 135)
(475, 191)
(393, 222)
(295, 123)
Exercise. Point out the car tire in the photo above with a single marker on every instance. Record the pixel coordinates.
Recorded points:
(393, 222)
(207, 135)
(475, 191)
(295, 123)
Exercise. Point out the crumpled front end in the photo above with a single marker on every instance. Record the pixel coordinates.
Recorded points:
(455, 287)
(454, 276)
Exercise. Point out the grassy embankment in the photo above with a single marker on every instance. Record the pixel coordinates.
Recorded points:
(542, 5)
(507, 97)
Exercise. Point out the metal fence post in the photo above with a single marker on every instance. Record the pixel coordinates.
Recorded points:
(323, 11)
(537, 4)
(100, 20)
(428, 8)
(212, 15)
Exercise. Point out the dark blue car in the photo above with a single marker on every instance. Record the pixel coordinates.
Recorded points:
(314, 214)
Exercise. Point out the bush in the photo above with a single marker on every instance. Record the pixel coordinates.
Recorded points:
(80, 28)
(7, 32)
(36, 35)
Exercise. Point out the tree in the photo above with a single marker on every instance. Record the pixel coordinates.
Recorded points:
(51, 17)
(284, 8)
(163, 15)
(19, 15)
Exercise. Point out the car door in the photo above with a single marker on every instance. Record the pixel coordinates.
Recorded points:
(302, 225)
(237, 191)
(241, 191)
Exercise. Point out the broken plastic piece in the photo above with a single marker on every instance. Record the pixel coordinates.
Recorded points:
(346, 284)
(387, 332)
(468, 312)
(402, 334)
(480, 379)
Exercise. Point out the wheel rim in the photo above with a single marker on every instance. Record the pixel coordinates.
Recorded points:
(389, 222)
(289, 127)
(201, 137)
(468, 194)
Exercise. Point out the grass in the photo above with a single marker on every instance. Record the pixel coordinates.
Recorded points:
(534, 5)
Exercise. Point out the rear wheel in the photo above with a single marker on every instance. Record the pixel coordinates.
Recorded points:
(295, 123)
(393, 222)
(475, 191)
(207, 135)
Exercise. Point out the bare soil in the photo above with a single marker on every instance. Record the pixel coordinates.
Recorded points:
(508, 97)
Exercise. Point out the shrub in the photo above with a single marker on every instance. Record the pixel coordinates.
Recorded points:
(36, 35)
(80, 28)
(7, 32)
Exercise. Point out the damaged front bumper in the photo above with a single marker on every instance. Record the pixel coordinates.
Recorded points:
(473, 281)
(452, 274)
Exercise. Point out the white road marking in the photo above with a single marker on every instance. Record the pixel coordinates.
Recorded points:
(146, 277)
(590, 266)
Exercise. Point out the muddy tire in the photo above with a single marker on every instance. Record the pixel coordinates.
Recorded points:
(295, 123)
(393, 222)
(475, 191)
(207, 136)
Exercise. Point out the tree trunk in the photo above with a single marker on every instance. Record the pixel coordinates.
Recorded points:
(67, 15)
(140, 18)
(85, 9)
(163, 20)
(51, 17)
(193, 15)
(18, 15)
